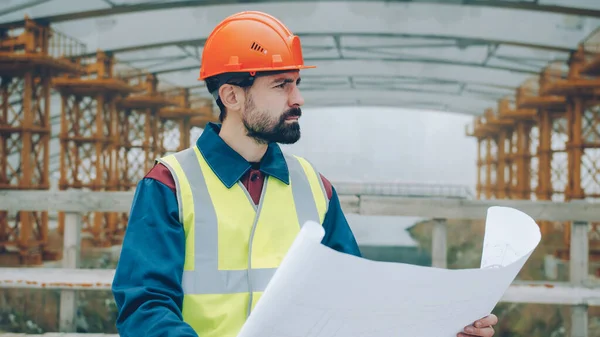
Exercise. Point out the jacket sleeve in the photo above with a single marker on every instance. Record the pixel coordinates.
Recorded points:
(147, 282)
(338, 234)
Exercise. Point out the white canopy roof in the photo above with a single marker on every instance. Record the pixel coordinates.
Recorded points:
(435, 55)
(432, 54)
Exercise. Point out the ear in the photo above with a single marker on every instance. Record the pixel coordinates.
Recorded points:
(232, 97)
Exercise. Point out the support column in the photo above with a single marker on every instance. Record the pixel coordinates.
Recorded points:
(501, 166)
(509, 162)
(480, 175)
(579, 251)
(439, 247)
(71, 255)
(490, 168)
(544, 190)
(523, 159)
(574, 148)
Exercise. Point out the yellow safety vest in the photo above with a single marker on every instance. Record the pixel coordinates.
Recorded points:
(232, 246)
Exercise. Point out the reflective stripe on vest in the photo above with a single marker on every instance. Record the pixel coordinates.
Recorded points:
(206, 273)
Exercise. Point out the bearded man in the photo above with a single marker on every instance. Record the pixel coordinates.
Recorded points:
(210, 225)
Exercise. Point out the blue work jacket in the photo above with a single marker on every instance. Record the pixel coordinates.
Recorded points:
(147, 283)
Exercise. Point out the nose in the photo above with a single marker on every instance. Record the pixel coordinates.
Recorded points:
(296, 98)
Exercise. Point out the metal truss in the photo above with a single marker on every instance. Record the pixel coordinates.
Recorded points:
(469, 49)
(403, 63)
(115, 7)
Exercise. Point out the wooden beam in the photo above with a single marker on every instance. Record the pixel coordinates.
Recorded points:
(56, 278)
(476, 209)
(71, 259)
(85, 201)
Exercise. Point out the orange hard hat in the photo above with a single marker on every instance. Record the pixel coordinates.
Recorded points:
(251, 42)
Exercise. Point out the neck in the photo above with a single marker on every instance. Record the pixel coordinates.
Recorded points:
(234, 135)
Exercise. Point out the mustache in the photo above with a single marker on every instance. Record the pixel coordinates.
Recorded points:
(293, 112)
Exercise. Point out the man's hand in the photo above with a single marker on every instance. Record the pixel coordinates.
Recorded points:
(481, 328)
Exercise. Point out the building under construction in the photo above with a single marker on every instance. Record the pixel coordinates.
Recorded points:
(112, 124)
(543, 142)
(91, 96)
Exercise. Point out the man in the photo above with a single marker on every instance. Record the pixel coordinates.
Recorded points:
(209, 225)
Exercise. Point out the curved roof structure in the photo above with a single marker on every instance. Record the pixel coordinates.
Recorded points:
(459, 56)
(454, 55)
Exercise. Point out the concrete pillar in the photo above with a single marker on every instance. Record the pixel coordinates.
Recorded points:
(579, 256)
(71, 255)
(439, 257)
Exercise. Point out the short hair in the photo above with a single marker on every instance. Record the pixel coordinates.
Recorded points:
(243, 80)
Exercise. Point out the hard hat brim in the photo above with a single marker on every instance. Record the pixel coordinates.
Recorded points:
(257, 70)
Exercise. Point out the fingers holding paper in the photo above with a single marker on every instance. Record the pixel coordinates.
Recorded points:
(481, 328)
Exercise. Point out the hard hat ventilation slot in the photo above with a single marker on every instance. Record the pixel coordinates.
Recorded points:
(255, 46)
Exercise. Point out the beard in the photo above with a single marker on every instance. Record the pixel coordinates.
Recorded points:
(264, 129)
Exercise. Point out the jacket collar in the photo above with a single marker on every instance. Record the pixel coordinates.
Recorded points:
(230, 166)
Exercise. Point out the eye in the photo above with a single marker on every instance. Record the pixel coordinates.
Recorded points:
(282, 85)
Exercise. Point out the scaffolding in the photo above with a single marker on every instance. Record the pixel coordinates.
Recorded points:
(179, 120)
(581, 88)
(139, 126)
(486, 133)
(506, 138)
(551, 150)
(520, 142)
(552, 124)
(551, 155)
(89, 138)
(30, 56)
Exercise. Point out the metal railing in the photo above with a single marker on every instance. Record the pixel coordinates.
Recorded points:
(578, 293)
(415, 190)
(36, 38)
(61, 45)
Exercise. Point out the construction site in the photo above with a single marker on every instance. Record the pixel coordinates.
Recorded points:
(89, 111)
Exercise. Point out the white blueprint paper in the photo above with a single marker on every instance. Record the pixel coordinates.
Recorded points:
(318, 292)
